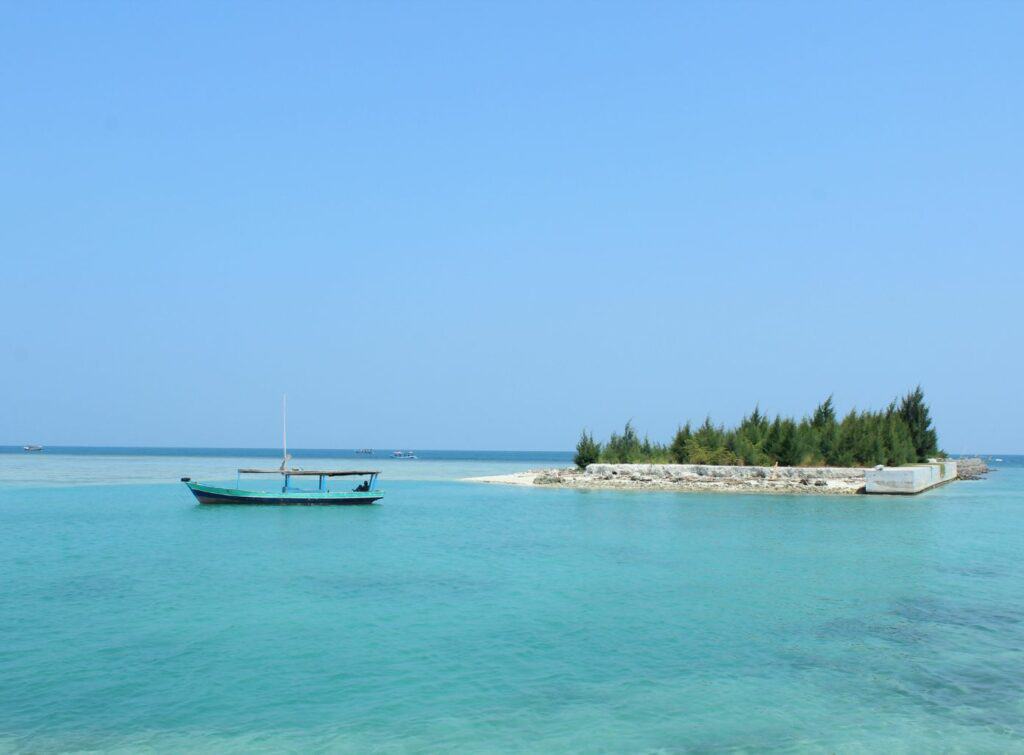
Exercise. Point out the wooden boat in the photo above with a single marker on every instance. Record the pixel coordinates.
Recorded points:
(289, 495)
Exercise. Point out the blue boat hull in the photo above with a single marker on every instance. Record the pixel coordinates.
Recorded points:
(207, 494)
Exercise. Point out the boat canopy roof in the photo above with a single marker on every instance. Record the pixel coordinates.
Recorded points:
(312, 472)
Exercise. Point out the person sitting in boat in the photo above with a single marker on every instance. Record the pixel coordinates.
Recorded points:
(362, 487)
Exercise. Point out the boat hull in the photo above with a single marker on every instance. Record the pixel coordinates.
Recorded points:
(211, 495)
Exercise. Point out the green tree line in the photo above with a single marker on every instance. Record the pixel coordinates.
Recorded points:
(899, 434)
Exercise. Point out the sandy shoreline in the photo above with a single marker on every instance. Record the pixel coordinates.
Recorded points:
(516, 478)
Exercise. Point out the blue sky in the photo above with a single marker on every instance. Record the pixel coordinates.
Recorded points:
(485, 225)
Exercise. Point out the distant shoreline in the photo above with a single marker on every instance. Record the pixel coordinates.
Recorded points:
(382, 453)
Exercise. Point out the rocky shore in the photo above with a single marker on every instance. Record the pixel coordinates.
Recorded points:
(971, 469)
(709, 477)
(695, 477)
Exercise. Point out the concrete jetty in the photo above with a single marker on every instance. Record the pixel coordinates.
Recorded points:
(910, 478)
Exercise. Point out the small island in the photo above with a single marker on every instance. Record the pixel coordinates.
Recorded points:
(893, 450)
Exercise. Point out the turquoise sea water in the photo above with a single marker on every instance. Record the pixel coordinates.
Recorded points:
(468, 617)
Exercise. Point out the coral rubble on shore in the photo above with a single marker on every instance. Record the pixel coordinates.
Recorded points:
(971, 469)
(695, 477)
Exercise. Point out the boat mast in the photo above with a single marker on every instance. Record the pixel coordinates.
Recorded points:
(284, 430)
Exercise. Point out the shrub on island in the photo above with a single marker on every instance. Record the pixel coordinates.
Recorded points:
(588, 451)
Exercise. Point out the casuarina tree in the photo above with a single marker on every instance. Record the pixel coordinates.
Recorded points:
(914, 412)
(588, 451)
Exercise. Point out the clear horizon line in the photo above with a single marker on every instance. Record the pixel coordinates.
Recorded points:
(18, 446)
(275, 448)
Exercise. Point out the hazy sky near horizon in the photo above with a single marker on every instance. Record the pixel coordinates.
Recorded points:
(482, 225)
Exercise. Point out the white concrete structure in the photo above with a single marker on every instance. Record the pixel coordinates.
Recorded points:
(909, 479)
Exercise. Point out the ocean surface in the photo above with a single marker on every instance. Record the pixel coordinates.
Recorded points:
(484, 618)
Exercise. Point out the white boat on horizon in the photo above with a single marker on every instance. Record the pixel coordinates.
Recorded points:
(32, 447)
(403, 455)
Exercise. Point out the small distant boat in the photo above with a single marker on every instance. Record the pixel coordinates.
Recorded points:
(365, 451)
(31, 447)
(290, 495)
(403, 455)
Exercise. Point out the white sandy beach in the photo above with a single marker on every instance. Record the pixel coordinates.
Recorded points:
(515, 478)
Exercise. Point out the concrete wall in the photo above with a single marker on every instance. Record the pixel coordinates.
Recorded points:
(909, 479)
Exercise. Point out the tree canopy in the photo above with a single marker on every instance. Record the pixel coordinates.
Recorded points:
(899, 434)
